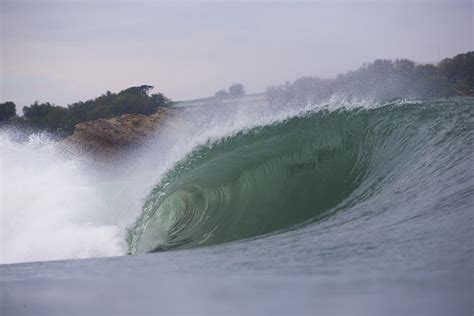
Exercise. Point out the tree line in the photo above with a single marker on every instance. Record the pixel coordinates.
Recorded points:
(384, 79)
(236, 90)
(58, 119)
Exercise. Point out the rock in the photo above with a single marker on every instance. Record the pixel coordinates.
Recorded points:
(112, 135)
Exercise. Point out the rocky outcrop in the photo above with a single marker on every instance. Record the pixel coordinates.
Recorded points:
(109, 136)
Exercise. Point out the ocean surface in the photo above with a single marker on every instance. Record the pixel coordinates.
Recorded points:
(249, 208)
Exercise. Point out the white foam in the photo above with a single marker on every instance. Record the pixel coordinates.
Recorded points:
(51, 206)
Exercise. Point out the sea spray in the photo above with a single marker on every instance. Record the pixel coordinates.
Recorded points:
(53, 206)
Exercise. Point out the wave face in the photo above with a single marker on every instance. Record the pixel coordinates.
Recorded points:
(411, 156)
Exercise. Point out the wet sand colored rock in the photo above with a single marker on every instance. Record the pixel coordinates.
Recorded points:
(108, 136)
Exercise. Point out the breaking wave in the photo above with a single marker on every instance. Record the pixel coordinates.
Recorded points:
(301, 169)
(238, 171)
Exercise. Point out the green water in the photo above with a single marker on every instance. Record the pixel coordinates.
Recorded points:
(298, 171)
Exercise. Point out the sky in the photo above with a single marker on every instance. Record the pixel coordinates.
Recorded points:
(65, 51)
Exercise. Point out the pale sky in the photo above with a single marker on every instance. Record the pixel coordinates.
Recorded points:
(66, 51)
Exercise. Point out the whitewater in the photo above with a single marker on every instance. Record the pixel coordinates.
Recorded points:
(367, 197)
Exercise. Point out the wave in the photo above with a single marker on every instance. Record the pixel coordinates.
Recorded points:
(298, 170)
(237, 171)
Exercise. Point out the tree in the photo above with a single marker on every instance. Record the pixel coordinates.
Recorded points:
(221, 94)
(142, 90)
(37, 110)
(384, 79)
(7, 110)
(459, 70)
(236, 90)
(404, 67)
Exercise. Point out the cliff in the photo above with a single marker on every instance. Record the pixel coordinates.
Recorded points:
(109, 136)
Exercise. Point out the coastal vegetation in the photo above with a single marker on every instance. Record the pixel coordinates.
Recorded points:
(383, 79)
(7, 111)
(58, 119)
(236, 90)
